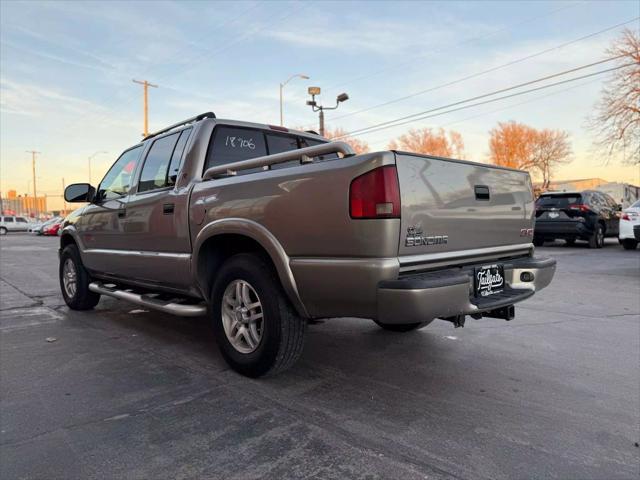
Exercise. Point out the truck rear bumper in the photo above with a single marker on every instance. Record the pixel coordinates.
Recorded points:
(448, 293)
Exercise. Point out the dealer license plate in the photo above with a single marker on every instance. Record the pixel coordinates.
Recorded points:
(489, 280)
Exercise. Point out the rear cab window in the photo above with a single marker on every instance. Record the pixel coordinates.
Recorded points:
(232, 144)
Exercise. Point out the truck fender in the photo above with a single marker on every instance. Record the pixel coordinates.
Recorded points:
(258, 233)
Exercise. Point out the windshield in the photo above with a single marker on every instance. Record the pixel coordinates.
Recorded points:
(635, 204)
(559, 201)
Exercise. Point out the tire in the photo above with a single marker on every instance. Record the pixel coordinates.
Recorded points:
(538, 242)
(629, 244)
(80, 298)
(401, 327)
(597, 238)
(277, 337)
(3, 231)
(570, 242)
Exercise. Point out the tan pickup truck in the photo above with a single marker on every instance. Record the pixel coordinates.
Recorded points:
(262, 228)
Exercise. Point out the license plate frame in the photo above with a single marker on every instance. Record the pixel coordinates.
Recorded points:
(488, 280)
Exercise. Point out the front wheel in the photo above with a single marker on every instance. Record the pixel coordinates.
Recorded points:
(3, 231)
(256, 328)
(629, 244)
(74, 281)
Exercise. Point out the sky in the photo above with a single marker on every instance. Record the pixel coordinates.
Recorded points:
(66, 71)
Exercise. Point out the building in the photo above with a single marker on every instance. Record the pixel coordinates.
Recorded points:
(25, 205)
(623, 193)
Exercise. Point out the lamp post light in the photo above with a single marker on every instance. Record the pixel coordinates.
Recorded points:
(91, 158)
(297, 75)
(313, 91)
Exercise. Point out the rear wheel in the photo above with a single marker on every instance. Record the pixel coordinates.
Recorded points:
(629, 244)
(401, 327)
(3, 231)
(256, 327)
(74, 281)
(597, 238)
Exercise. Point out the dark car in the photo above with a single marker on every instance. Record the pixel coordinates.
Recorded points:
(571, 216)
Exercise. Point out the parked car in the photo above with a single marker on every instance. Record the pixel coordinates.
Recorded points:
(52, 227)
(588, 215)
(11, 223)
(263, 228)
(38, 229)
(629, 226)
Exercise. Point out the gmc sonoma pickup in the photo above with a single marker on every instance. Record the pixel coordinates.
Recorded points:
(263, 228)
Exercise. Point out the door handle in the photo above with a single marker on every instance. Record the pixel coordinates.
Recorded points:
(482, 192)
(122, 213)
(167, 208)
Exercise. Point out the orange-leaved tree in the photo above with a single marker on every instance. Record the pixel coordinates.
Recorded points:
(516, 145)
(431, 142)
(358, 146)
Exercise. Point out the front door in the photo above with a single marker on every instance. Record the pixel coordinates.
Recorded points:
(101, 225)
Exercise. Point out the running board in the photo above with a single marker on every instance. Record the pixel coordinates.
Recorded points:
(147, 300)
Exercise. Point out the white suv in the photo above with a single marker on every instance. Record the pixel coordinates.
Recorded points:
(14, 224)
(630, 218)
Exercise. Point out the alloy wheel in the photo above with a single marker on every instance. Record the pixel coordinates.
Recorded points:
(242, 316)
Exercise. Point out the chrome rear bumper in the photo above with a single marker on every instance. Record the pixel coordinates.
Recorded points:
(449, 293)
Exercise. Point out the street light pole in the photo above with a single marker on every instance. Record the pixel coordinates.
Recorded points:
(313, 91)
(91, 158)
(33, 168)
(297, 75)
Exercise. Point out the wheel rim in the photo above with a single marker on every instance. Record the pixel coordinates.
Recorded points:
(600, 237)
(69, 278)
(242, 316)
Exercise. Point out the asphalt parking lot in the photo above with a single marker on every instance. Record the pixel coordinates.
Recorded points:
(124, 393)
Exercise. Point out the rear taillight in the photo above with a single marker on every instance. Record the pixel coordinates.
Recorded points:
(376, 194)
(580, 207)
(625, 216)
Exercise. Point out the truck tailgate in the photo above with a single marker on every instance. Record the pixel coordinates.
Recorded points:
(452, 206)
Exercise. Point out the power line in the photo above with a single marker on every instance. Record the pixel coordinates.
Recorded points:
(513, 105)
(484, 72)
(385, 125)
(464, 42)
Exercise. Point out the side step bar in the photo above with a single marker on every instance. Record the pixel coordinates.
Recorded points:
(147, 300)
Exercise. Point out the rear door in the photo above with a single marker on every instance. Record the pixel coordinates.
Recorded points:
(156, 225)
(453, 206)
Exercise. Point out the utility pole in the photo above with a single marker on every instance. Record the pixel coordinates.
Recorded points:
(145, 86)
(33, 168)
(313, 91)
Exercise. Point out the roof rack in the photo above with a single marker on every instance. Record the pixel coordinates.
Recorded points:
(184, 122)
(312, 131)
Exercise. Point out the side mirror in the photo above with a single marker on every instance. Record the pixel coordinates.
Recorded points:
(79, 192)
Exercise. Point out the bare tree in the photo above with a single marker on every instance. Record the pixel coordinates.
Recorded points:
(431, 142)
(617, 119)
(517, 145)
(358, 146)
(551, 148)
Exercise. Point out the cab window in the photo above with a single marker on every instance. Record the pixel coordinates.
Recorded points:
(233, 144)
(282, 143)
(156, 165)
(117, 181)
